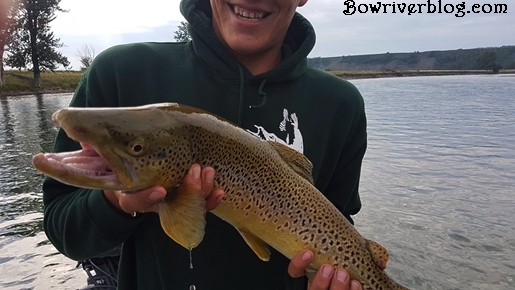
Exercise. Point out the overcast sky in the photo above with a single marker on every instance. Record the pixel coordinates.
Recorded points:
(104, 23)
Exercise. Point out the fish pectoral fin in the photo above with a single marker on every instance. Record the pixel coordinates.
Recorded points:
(183, 216)
(378, 252)
(296, 160)
(257, 245)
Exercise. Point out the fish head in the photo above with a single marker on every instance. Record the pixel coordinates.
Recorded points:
(126, 149)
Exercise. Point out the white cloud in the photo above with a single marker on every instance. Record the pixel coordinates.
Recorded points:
(110, 17)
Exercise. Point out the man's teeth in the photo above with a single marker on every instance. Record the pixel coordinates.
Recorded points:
(247, 14)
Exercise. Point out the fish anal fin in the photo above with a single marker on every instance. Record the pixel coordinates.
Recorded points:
(378, 252)
(257, 245)
(297, 161)
(183, 216)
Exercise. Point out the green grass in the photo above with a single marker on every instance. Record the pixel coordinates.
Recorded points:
(17, 82)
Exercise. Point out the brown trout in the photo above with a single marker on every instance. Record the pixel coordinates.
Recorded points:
(269, 193)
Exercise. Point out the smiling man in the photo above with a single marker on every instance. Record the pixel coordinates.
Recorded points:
(247, 62)
(254, 31)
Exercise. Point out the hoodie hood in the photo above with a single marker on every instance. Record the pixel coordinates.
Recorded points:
(207, 48)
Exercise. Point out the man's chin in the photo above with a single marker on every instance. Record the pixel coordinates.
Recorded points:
(249, 46)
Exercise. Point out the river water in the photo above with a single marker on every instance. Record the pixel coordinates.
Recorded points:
(437, 184)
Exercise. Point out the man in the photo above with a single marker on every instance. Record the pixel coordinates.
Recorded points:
(247, 63)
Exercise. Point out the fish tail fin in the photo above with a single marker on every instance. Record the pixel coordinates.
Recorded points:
(183, 216)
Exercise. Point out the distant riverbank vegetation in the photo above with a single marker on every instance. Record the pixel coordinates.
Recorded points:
(387, 73)
(494, 59)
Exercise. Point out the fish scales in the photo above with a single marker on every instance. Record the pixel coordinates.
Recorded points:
(269, 195)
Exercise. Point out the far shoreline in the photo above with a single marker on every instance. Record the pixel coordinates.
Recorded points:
(40, 92)
(371, 74)
(347, 75)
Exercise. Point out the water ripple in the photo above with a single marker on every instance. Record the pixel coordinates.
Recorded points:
(439, 173)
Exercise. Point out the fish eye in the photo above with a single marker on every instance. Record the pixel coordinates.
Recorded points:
(137, 147)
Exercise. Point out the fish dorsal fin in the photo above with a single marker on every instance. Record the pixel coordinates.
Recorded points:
(297, 161)
(257, 245)
(378, 252)
(183, 216)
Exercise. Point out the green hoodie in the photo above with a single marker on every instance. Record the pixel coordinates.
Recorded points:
(305, 108)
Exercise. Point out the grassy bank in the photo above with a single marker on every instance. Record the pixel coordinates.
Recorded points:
(20, 82)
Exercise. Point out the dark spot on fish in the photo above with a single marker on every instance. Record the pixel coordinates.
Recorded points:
(161, 155)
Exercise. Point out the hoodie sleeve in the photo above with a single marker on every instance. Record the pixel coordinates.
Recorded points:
(341, 179)
(343, 189)
(81, 223)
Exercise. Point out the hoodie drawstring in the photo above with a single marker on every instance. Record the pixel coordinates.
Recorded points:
(242, 98)
(262, 94)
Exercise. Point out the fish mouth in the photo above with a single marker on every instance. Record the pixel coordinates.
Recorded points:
(82, 168)
(89, 167)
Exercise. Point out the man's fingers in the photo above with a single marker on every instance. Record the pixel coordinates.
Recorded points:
(141, 201)
(193, 178)
(333, 279)
(203, 178)
(355, 285)
(323, 279)
(146, 200)
(214, 199)
(326, 277)
(299, 263)
(208, 177)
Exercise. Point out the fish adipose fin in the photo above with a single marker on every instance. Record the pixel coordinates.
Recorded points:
(257, 245)
(183, 216)
(297, 161)
(379, 253)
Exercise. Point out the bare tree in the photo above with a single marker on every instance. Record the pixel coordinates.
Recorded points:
(182, 34)
(86, 54)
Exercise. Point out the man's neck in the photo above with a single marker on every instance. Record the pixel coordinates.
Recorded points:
(258, 64)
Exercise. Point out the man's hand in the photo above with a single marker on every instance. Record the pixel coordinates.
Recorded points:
(326, 277)
(147, 200)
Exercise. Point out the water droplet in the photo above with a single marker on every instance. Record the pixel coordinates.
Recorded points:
(191, 267)
(192, 287)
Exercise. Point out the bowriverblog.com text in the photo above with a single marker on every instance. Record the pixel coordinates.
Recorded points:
(429, 7)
